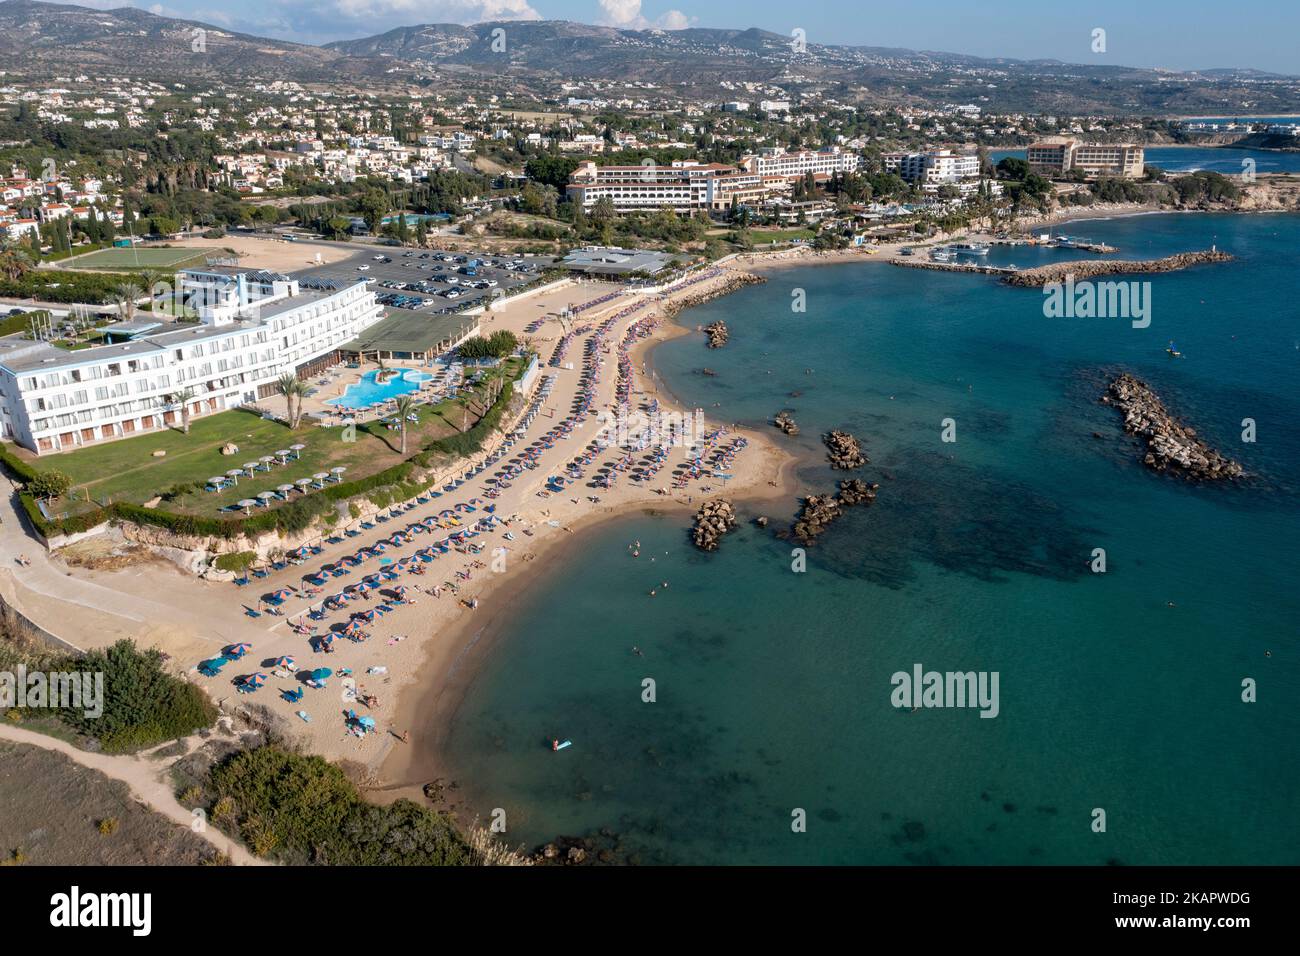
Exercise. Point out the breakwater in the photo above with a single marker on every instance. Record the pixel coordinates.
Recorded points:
(1171, 445)
(1092, 268)
(734, 280)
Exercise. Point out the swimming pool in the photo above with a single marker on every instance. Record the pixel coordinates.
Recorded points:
(368, 391)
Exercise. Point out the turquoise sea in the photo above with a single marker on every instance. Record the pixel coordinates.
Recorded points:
(773, 687)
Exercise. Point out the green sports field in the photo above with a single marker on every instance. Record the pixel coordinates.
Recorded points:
(147, 258)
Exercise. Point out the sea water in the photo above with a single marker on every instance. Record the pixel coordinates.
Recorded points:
(1120, 693)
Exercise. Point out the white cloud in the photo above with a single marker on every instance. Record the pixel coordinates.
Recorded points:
(626, 15)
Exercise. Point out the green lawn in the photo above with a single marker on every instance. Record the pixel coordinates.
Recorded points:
(125, 470)
(138, 258)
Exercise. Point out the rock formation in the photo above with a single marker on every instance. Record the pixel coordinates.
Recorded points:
(844, 451)
(1171, 446)
(713, 520)
(717, 333)
(820, 511)
(784, 422)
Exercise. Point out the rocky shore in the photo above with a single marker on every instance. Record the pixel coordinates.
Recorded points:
(844, 451)
(1080, 270)
(717, 333)
(786, 423)
(713, 520)
(821, 511)
(1171, 446)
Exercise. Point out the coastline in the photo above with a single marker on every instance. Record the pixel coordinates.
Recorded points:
(453, 659)
(451, 662)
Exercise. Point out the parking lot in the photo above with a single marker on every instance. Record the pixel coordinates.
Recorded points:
(434, 282)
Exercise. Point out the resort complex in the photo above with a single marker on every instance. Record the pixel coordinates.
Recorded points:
(248, 329)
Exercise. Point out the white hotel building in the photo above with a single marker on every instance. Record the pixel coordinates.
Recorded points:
(934, 166)
(775, 161)
(252, 327)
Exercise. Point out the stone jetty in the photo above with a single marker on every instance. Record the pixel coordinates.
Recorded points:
(713, 520)
(1081, 270)
(786, 423)
(821, 511)
(735, 279)
(717, 333)
(844, 451)
(1171, 446)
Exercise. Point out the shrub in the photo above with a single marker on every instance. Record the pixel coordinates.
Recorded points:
(302, 808)
(107, 826)
(235, 561)
(143, 704)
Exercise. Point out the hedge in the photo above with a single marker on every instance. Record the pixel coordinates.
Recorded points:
(293, 517)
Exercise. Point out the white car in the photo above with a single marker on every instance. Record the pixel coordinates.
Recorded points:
(363, 268)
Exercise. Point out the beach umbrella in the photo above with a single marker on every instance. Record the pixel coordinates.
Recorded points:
(327, 638)
(321, 673)
(285, 661)
(338, 471)
(218, 481)
(320, 475)
(265, 496)
(237, 650)
(250, 467)
(281, 594)
(255, 680)
(303, 483)
(367, 722)
(284, 489)
(297, 450)
(247, 503)
(233, 474)
(266, 460)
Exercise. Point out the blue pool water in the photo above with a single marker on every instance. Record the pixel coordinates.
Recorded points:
(368, 391)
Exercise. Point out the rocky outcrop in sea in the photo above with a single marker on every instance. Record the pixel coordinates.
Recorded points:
(717, 333)
(821, 511)
(844, 451)
(713, 520)
(786, 423)
(1171, 445)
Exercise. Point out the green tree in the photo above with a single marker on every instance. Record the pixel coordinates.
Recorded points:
(49, 484)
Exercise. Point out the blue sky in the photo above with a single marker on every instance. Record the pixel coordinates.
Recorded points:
(1192, 34)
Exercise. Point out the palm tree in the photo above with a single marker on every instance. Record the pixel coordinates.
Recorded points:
(125, 297)
(14, 262)
(183, 399)
(405, 406)
(149, 278)
(294, 391)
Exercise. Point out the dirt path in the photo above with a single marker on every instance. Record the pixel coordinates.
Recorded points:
(147, 785)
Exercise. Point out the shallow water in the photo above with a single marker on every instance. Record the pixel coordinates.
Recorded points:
(773, 687)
